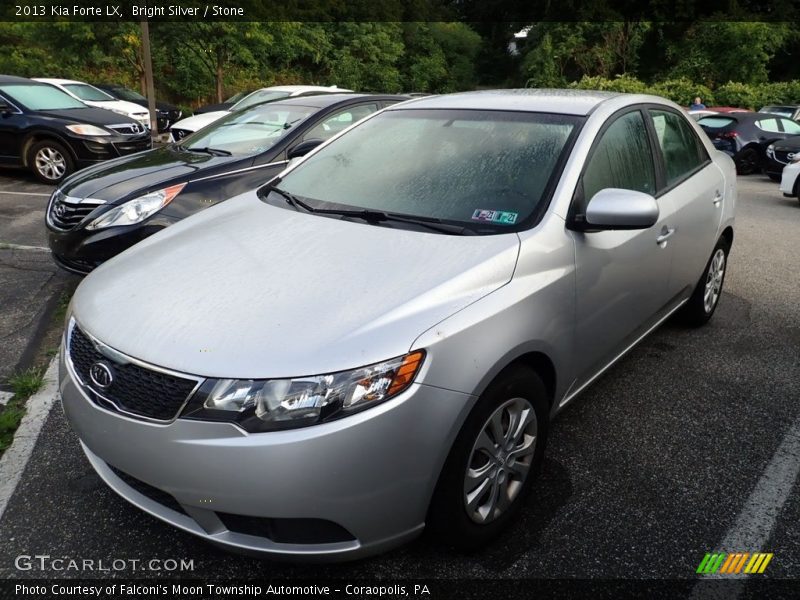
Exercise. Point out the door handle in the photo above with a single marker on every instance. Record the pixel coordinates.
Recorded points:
(717, 199)
(666, 233)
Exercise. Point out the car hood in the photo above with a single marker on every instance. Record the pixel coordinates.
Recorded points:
(249, 290)
(196, 122)
(116, 180)
(790, 144)
(89, 115)
(129, 108)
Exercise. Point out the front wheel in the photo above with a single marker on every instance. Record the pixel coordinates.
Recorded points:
(747, 161)
(50, 161)
(493, 462)
(703, 302)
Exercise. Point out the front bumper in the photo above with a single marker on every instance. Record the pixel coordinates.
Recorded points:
(789, 180)
(370, 475)
(91, 150)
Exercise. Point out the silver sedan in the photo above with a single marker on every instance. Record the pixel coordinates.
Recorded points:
(377, 340)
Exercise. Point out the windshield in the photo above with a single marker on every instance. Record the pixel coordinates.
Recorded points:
(127, 94)
(258, 97)
(248, 132)
(41, 97)
(778, 110)
(716, 122)
(478, 168)
(87, 92)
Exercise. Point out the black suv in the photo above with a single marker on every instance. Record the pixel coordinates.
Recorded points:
(53, 134)
(166, 114)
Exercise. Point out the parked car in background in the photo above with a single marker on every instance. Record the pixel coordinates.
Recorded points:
(102, 211)
(222, 105)
(727, 109)
(790, 111)
(92, 96)
(166, 113)
(376, 341)
(745, 136)
(700, 113)
(781, 153)
(790, 179)
(51, 133)
(269, 94)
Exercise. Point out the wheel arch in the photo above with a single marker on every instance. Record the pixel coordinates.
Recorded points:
(36, 136)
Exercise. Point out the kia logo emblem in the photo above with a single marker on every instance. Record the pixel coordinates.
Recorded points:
(790, 156)
(101, 375)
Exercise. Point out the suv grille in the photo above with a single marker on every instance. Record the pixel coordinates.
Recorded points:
(66, 213)
(128, 128)
(133, 389)
(783, 155)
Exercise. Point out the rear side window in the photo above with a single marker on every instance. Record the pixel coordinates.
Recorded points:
(715, 122)
(770, 125)
(679, 145)
(340, 121)
(621, 159)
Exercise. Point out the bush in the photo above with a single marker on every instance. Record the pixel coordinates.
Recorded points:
(683, 91)
(621, 83)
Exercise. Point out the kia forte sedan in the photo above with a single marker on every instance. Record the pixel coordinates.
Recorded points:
(376, 341)
(100, 212)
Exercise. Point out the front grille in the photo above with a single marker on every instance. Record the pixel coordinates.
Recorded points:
(134, 389)
(145, 489)
(287, 531)
(65, 213)
(783, 155)
(127, 128)
(179, 134)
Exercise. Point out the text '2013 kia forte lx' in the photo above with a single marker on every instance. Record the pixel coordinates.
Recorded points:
(376, 341)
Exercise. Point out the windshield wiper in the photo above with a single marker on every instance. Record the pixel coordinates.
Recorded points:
(207, 150)
(375, 216)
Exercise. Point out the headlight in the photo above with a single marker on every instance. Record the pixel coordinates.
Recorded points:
(138, 209)
(270, 404)
(85, 129)
(118, 111)
(795, 158)
(771, 150)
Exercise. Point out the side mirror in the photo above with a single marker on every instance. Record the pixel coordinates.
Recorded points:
(5, 109)
(614, 208)
(303, 148)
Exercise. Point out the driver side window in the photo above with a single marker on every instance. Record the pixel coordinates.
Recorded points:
(622, 159)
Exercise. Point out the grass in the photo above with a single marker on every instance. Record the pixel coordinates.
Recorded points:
(60, 312)
(24, 385)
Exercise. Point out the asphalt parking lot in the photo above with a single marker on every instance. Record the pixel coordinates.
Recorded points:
(660, 462)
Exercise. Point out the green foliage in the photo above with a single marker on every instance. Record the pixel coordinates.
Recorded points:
(10, 418)
(621, 83)
(26, 383)
(683, 91)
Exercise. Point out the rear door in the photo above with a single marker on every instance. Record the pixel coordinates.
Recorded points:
(694, 186)
(11, 121)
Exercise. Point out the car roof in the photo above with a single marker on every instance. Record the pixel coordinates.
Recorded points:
(302, 88)
(57, 81)
(572, 102)
(780, 106)
(323, 100)
(15, 79)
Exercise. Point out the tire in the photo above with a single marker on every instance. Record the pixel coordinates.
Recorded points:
(50, 161)
(516, 391)
(705, 298)
(747, 161)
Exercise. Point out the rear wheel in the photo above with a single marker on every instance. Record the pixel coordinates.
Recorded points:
(701, 306)
(747, 161)
(50, 161)
(493, 462)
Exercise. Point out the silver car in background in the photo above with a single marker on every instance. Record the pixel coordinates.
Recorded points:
(376, 341)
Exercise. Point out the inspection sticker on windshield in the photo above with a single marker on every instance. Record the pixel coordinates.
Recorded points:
(501, 217)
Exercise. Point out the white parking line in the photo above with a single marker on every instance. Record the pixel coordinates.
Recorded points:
(756, 520)
(25, 193)
(7, 246)
(16, 456)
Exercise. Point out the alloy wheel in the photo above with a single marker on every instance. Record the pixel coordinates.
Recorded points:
(50, 163)
(500, 460)
(714, 277)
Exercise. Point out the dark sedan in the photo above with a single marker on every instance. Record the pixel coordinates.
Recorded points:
(166, 114)
(100, 212)
(51, 133)
(745, 136)
(780, 154)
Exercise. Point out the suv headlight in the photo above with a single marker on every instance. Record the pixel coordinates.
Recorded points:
(137, 210)
(269, 404)
(86, 129)
(771, 150)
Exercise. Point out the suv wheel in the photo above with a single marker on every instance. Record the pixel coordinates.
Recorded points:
(50, 161)
(493, 462)
(703, 302)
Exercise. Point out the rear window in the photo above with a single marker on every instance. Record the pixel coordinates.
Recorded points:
(778, 110)
(715, 122)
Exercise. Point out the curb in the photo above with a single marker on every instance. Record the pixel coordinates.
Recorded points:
(15, 458)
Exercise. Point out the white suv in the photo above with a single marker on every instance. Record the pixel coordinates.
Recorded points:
(790, 183)
(92, 96)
